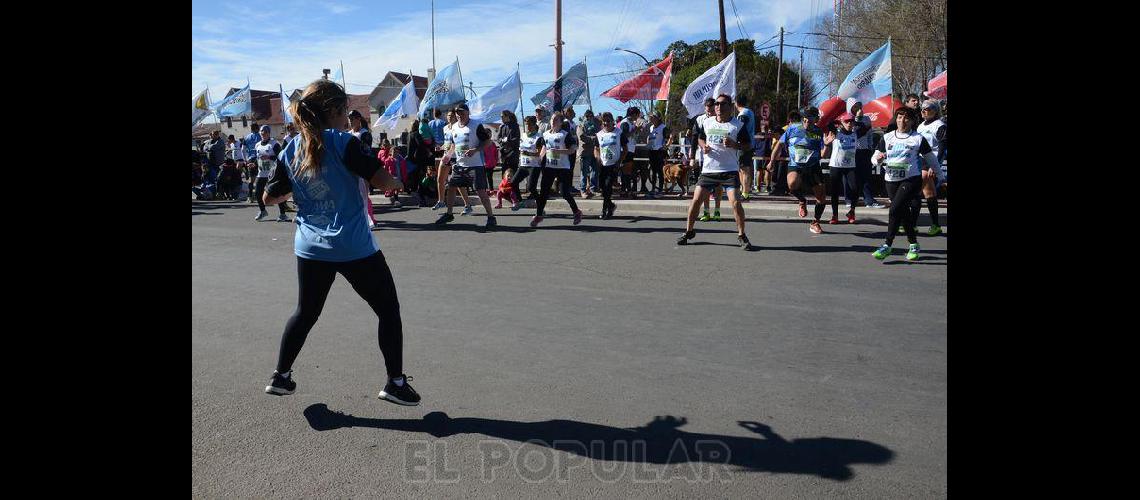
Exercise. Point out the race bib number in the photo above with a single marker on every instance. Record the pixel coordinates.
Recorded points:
(801, 154)
(897, 169)
(716, 139)
(265, 166)
(526, 161)
(609, 155)
(551, 156)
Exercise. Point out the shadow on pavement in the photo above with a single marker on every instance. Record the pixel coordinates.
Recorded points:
(657, 442)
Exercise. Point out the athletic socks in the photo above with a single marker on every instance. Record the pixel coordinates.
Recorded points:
(932, 205)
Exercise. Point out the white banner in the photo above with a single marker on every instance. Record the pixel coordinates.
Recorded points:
(719, 79)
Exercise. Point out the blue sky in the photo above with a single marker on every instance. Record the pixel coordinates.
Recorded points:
(290, 41)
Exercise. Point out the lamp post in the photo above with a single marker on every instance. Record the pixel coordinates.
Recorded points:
(326, 71)
(635, 53)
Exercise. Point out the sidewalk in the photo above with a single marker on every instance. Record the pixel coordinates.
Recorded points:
(675, 206)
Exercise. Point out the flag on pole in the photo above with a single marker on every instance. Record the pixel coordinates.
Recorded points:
(285, 105)
(569, 89)
(719, 79)
(937, 86)
(505, 95)
(446, 88)
(201, 108)
(403, 105)
(236, 104)
(653, 83)
(870, 79)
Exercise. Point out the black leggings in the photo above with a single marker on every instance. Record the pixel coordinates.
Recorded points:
(564, 177)
(260, 188)
(531, 176)
(906, 196)
(838, 176)
(605, 180)
(372, 280)
(656, 168)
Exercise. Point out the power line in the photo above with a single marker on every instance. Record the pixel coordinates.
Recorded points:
(861, 52)
(739, 24)
(879, 37)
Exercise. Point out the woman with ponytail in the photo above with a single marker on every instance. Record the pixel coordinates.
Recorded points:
(321, 171)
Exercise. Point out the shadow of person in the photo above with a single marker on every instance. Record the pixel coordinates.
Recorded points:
(658, 442)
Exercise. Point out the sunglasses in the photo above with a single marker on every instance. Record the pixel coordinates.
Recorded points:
(722, 103)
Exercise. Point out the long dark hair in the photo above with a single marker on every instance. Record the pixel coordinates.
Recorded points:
(318, 103)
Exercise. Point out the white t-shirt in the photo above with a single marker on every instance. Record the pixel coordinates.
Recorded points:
(530, 144)
(464, 138)
(843, 149)
(903, 160)
(930, 132)
(266, 158)
(610, 145)
(656, 138)
(236, 152)
(556, 140)
(719, 158)
(630, 138)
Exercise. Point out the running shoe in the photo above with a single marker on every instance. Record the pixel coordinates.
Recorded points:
(281, 385)
(705, 217)
(400, 394)
(261, 215)
(834, 220)
(467, 210)
(934, 231)
(491, 222)
(577, 217)
(283, 218)
(912, 252)
(395, 203)
(684, 239)
(851, 216)
(535, 220)
(716, 215)
(877, 205)
(746, 195)
(516, 207)
(814, 227)
(848, 205)
(438, 205)
(803, 210)
(882, 252)
(444, 219)
(744, 243)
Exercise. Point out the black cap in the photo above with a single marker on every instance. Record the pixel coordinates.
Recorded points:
(809, 112)
(354, 114)
(462, 107)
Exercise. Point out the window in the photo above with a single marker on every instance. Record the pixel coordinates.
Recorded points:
(229, 122)
(244, 124)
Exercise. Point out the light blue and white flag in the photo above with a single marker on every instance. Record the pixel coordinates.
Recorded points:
(403, 105)
(236, 104)
(285, 105)
(446, 88)
(569, 89)
(489, 107)
(871, 78)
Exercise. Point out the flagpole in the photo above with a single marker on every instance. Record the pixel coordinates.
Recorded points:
(522, 112)
(343, 80)
(460, 70)
(589, 99)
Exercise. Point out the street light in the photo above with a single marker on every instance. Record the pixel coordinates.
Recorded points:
(326, 71)
(635, 53)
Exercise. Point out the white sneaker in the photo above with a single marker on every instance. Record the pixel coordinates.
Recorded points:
(261, 215)
(439, 205)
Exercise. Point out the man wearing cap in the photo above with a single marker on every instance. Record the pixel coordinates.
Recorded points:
(265, 152)
(465, 140)
(804, 143)
(934, 131)
(588, 139)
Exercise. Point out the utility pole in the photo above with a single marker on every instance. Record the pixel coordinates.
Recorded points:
(723, 36)
(800, 85)
(432, 40)
(779, 69)
(557, 39)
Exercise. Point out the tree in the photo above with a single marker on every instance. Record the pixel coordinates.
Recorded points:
(917, 29)
(755, 77)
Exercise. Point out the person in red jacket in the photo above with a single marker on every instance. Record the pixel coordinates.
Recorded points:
(389, 161)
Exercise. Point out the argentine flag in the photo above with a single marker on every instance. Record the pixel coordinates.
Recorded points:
(446, 88)
(505, 95)
(403, 105)
(870, 79)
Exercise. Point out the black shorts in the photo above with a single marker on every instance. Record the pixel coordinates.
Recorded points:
(746, 160)
(727, 180)
(810, 176)
(467, 177)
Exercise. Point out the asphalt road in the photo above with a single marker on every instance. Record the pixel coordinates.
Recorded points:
(577, 361)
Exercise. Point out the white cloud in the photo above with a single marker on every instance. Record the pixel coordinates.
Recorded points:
(488, 37)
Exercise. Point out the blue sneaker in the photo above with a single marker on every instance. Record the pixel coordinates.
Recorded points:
(882, 252)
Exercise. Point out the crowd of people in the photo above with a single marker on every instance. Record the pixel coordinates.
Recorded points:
(725, 154)
(327, 165)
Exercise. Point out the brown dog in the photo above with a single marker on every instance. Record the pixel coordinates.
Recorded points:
(677, 174)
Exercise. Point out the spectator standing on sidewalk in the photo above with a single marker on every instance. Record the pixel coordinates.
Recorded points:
(588, 140)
